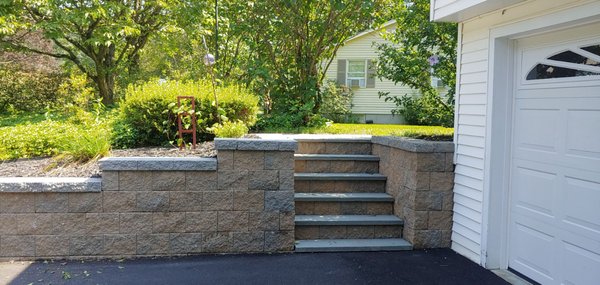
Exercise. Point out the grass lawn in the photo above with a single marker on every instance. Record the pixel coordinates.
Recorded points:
(424, 132)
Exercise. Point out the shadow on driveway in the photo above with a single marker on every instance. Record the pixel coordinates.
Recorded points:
(440, 266)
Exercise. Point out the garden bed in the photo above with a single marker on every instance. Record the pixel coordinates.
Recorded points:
(51, 167)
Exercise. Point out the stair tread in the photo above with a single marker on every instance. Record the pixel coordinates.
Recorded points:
(346, 220)
(339, 176)
(360, 157)
(322, 245)
(343, 197)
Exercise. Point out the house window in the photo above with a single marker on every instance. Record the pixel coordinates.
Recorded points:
(576, 62)
(356, 75)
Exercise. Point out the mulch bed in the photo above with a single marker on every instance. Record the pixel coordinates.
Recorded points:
(50, 167)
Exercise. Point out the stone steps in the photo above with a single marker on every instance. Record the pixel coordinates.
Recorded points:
(328, 163)
(338, 245)
(340, 198)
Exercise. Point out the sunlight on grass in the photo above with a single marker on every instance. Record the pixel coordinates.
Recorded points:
(422, 132)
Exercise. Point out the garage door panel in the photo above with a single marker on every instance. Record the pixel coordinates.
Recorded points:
(581, 202)
(532, 251)
(583, 133)
(580, 261)
(541, 191)
(536, 130)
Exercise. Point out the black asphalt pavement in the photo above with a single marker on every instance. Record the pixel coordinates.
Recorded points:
(440, 266)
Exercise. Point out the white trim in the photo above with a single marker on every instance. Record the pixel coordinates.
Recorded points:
(383, 26)
(457, 88)
(494, 249)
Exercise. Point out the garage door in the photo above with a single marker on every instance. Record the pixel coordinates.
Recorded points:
(554, 217)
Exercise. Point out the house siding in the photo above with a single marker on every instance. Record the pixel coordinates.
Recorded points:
(472, 98)
(366, 100)
(459, 10)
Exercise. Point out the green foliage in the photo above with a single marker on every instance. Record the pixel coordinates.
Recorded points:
(230, 129)
(71, 141)
(406, 61)
(147, 116)
(337, 102)
(28, 91)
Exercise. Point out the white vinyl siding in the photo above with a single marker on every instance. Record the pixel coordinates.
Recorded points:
(366, 100)
(471, 118)
(460, 10)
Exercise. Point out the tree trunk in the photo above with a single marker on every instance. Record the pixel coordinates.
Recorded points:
(106, 86)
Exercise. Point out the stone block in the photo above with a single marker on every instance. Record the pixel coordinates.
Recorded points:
(449, 166)
(353, 208)
(201, 221)
(225, 144)
(278, 241)
(119, 201)
(387, 232)
(248, 160)
(344, 166)
(418, 181)
(288, 145)
(305, 208)
(8, 224)
(359, 232)
(435, 161)
(282, 201)
(35, 224)
(380, 208)
(446, 239)
(233, 221)
(17, 246)
(441, 181)
(48, 246)
(248, 242)
(135, 223)
(225, 160)
(437, 200)
(51, 202)
(418, 220)
(135, 180)
(300, 166)
(307, 233)
(101, 223)
(263, 180)
(168, 222)
(71, 223)
(440, 220)
(302, 186)
(332, 232)
(233, 179)
(279, 160)
(257, 144)
(185, 201)
(110, 180)
(167, 181)
(217, 242)
(318, 166)
(263, 221)
(447, 201)
(286, 221)
(248, 200)
(286, 180)
(86, 245)
(217, 200)
(151, 244)
(427, 239)
(152, 201)
(85, 202)
(119, 245)
(17, 202)
(310, 147)
(201, 180)
(185, 243)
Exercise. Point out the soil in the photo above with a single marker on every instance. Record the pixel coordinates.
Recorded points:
(51, 167)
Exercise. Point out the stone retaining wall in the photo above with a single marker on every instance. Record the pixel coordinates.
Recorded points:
(420, 177)
(241, 201)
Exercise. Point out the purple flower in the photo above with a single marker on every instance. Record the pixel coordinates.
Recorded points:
(433, 60)
(209, 59)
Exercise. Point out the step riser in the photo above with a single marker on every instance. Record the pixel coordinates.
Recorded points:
(334, 147)
(338, 166)
(319, 186)
(347, 232)
(344, 208)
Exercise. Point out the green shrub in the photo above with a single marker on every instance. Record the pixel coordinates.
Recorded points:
(147, 116)
(336, 103)
(425, 110)
(27, 91)
(230, 130)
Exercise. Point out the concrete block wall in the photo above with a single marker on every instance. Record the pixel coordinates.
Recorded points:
(420, 177)
(241, 201)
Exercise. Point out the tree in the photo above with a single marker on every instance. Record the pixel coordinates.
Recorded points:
(100, 37)
(420, 50)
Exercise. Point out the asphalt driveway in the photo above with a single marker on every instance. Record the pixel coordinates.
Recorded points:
(440, 266)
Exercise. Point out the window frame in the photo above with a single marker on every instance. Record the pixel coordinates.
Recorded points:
(363, 79)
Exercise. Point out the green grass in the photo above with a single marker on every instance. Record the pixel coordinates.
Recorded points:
(421, 132)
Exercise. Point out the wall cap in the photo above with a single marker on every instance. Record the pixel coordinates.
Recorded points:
(414, 145)
(158, 163)
(49, 184)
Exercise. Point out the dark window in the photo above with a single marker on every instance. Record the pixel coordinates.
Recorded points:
(543, 71)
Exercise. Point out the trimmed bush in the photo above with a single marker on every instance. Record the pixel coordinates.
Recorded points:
(230, 130)
(27, 91)
(148, 114)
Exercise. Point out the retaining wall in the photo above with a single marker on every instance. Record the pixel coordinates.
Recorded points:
(241, 201)
(420, 177)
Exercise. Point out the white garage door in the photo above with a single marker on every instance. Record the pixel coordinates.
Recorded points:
(554, 217)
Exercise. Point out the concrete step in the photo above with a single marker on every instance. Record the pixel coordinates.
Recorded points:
(347, 232)
(345, 163)
(343, 197)
(339, 186)
(347, 220)
(334, 145)
(339, 176)
(333, 245)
